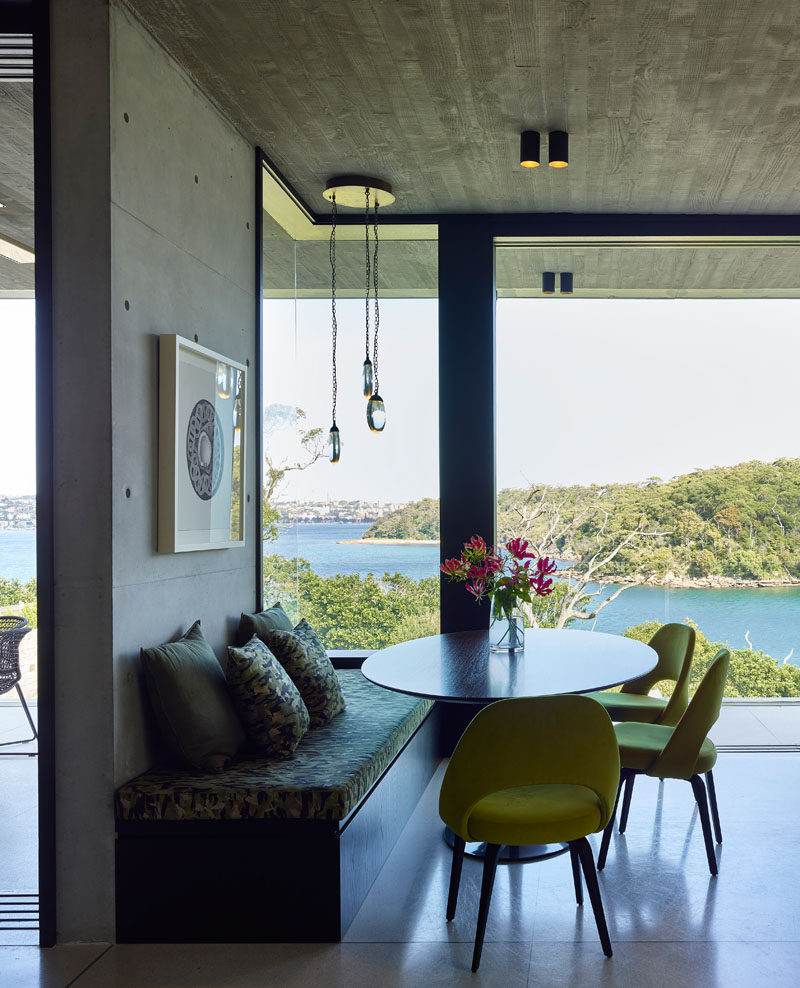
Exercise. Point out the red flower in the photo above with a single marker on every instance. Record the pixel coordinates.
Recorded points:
(545, 565)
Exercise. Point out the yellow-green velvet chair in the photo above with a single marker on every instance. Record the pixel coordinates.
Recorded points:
(674, 644)
(681, 752)
(532, 770)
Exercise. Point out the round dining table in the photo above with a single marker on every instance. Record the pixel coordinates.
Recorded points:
(459, 668)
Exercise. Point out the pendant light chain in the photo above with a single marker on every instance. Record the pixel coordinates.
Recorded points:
(334, 326)
(366, 267)
(375, 287)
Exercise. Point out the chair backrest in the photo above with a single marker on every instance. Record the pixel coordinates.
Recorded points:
(679, 756)
(674, 644)
(12, 631)
(531, 741)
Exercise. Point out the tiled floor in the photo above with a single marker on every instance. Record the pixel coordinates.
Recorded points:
(670, 922)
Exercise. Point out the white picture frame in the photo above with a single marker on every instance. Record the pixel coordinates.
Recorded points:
(201, 448)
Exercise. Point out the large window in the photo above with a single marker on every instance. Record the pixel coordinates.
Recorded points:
(652, 445)
(352, 546)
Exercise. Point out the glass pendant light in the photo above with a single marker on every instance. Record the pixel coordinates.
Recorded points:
(352, 191)
(376, 409)
(366, 370)
(334, 439)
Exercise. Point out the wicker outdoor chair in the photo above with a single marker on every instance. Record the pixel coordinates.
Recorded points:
(12, 631)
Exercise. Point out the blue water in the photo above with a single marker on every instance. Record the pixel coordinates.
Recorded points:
(772, 615)
(18, 555)
(320, 545)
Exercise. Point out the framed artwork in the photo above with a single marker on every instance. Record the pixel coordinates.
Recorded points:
(201, 448)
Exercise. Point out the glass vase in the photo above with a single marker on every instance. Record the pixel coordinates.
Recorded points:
(507, 632)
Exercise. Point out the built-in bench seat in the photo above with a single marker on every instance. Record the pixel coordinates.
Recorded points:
(274, 849)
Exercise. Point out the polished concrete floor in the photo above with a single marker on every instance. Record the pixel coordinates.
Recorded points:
(670, 922)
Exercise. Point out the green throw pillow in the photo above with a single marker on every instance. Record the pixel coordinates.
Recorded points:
(303, 656)
(268, 702)
(191, 702)
(273, 618)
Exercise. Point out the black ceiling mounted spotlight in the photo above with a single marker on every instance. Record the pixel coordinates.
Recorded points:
(357, 191)
(530, 149)
(566, 283)
(548, 283)
(558, 148)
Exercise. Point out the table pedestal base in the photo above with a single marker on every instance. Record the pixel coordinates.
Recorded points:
(510, 854)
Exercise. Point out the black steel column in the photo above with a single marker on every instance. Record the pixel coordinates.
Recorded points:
(466, 404)
(45, 578)
(258, 482)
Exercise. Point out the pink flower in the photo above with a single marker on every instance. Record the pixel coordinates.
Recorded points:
(543, 586)
(476, 588)
(451, 567)
(477, 545)
(503, 573)
(519, 549)
(545, 565)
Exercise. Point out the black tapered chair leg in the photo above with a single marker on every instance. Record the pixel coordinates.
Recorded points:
(30, 721)
(712, 798)
(455, 875)
(576, 873)
(626, 802)
(601, 857)
(699, 791)
(492, 853)
(584, 849)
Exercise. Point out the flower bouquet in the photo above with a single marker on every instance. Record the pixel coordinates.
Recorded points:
(508, 575)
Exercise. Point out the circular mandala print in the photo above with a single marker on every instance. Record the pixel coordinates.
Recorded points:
(204, 450)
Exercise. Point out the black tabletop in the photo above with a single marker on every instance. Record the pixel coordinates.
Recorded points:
(460, 667)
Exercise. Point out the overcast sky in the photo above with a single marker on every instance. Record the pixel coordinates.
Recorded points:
(17, 398)
(612, 390)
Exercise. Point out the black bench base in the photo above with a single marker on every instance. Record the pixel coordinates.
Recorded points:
(260, 881)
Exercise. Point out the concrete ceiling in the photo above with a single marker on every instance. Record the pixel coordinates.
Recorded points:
(671, 106)
(674, 106)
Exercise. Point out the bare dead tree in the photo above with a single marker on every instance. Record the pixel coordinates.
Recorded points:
(545, 524)
(312, 446)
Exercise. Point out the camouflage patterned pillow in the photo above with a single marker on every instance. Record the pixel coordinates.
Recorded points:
(303, 656)
(267, 701)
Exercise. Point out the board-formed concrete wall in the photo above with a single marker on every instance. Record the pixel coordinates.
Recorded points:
(182, 236)
(153, 197)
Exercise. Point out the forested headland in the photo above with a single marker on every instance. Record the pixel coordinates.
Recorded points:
(715, 527)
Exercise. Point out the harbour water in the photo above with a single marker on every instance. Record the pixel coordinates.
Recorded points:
(770, 615)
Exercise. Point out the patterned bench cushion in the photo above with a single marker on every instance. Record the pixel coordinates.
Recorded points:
(331, 769)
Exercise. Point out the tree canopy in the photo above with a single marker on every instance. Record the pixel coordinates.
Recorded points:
(740, 522)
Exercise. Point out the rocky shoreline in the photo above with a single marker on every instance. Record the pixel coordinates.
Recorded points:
(705, 582)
